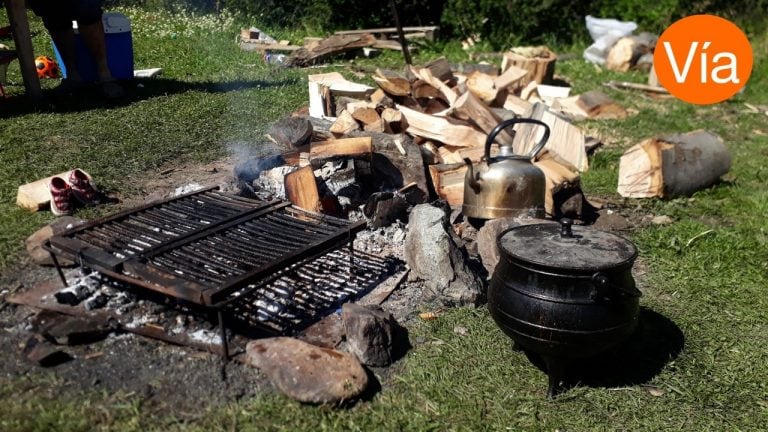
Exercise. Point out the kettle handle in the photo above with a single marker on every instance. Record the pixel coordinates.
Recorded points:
(506, 123)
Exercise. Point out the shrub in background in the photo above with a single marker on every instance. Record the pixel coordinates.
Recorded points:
(498, 23)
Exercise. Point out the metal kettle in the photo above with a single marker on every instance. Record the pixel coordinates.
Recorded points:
(506, 185)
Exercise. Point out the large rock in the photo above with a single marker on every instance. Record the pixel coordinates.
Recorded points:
(373, 335)
(433, 255)
(306, 372)
(34, 243)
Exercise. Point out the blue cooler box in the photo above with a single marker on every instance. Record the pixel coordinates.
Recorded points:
(117, 35)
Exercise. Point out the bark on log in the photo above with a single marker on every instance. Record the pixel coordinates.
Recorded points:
(674, 165)
(540, 64)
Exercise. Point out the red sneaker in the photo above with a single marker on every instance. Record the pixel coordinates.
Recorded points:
(61, 197)
(83, 188)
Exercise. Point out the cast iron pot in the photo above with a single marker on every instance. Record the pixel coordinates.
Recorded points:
(564, 292)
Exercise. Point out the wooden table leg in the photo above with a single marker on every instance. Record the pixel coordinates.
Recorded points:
(17, 15)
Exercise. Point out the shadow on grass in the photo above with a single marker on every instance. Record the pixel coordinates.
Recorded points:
(656, 342)
(136, 90)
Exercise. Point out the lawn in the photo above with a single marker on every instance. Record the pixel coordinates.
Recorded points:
(699, 363)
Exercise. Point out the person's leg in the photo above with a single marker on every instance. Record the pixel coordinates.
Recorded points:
(88, 14)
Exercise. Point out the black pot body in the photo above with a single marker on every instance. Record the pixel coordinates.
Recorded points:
(564, 314)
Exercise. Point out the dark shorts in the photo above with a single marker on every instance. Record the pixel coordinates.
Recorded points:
(57, 15)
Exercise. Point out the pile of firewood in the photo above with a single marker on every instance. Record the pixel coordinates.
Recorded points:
(450, 114)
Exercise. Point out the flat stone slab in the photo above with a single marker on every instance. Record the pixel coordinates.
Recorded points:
(306, 372)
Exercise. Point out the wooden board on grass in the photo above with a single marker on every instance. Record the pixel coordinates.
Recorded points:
(35, 195)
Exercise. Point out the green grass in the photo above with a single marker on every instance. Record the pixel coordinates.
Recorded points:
(707, 273)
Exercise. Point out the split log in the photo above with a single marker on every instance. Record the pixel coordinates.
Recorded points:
(538, 61)
(381, 99)
(333, 45)
(517, 105)
(625, 53)
(392, 82)
(393, 121)
(558, 177)
(470, 108)
(35, 195)
(483, 86)
(513, 75)
(322, 87)
(445, 130)
(448, 181)
(674, 165)
(393, 169)
(566, 141)
(344, 124)
(291, 131)
(322, 151)
(301, 189)
(449, 95)
(423, 90)
(440, 69)
(598, 105)
(636, 86)
(436, 107)
(366, 116)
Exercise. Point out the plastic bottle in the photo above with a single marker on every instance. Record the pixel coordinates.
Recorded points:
(271, 58)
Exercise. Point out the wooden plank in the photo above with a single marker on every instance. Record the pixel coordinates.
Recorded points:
(249, 46)
(17, 16)
(358, 147)
(301, 189)
(388, 30)
(446, 130)
(333, 45)
(448, 181)
(35, 195)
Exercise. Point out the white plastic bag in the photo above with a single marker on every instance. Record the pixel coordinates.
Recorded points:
(605, 32)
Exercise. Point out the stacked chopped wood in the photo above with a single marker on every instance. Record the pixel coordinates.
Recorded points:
(449, 116)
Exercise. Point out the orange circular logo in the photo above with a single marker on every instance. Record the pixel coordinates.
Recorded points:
(703, 59)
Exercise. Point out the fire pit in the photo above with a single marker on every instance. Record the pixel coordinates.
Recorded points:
(210, 249)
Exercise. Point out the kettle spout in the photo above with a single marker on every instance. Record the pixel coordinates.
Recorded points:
(473, 182)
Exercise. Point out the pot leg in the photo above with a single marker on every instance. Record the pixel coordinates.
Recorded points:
(556, 370)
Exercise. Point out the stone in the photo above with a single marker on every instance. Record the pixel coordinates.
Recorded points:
(326, 333)
(433, 255)
(486, 241)
(68, 330)
(34, 243)
(373, 335)
(610, 220)
(661, 220)
(308, 373)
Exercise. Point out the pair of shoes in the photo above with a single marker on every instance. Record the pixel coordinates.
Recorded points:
(78, 187)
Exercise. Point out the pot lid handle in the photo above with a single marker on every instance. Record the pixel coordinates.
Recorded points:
(565, 228)
(505, 124)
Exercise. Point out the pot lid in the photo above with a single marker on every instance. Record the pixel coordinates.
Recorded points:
(567, 247)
